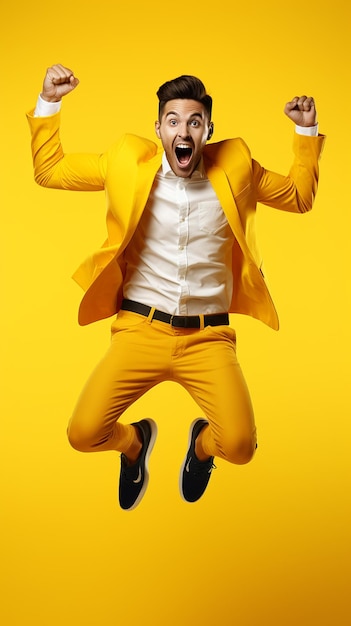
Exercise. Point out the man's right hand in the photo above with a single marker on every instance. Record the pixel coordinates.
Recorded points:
(58, 82)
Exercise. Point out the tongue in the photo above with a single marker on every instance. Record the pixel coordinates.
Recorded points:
(183, 156)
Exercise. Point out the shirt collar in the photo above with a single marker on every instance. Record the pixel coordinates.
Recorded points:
(167, 170)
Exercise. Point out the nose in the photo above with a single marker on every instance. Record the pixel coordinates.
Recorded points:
(183, 130)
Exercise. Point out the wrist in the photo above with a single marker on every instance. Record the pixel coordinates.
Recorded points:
(47, 98)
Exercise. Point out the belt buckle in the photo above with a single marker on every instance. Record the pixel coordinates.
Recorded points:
(171, 320)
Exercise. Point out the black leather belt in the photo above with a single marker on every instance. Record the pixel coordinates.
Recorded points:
(178, 321)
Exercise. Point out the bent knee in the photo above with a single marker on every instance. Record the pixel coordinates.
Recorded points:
(240, 451)
(80, 440)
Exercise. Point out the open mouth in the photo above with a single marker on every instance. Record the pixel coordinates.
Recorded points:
(183, 154)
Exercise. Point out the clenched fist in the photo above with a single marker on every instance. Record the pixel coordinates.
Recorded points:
(58, 82)
(302, 111)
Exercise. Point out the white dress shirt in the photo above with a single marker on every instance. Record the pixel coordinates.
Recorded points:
(179, 259)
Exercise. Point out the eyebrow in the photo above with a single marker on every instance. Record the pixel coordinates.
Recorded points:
(177, 114)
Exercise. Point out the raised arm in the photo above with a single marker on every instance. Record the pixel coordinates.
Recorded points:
(295, 192)
(52, 167)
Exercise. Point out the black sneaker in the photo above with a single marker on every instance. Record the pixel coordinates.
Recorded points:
(194, 474)
(134, 478)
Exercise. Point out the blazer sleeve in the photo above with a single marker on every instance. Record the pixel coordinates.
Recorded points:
(53, 168)
(295, 192)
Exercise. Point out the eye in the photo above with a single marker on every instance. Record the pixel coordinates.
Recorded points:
(195, 123)
(173, 122)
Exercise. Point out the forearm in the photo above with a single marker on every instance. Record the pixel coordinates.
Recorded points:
(295, 192)
(305, 170)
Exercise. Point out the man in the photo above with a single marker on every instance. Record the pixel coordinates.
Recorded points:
(180, 255)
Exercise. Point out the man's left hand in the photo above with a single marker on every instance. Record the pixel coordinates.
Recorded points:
(302, 111)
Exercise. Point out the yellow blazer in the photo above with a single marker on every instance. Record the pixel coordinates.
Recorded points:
(127, 171)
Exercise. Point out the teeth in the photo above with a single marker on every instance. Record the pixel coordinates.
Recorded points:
(184, 146)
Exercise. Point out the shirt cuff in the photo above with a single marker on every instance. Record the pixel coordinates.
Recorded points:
(45, 109)
(308, 131)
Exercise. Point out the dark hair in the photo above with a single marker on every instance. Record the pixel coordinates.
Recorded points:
(185, 88)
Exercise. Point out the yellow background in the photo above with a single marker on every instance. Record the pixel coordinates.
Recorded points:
(270, 542)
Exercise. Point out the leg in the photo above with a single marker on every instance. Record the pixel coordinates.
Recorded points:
(94, 424)
(212, 375)
(125, 373)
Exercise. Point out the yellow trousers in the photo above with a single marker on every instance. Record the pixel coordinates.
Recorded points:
(145, 352)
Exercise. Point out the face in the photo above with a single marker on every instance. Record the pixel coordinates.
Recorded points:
(184, 129)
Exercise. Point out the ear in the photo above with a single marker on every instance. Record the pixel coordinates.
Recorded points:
(210, 130)
(157, 129)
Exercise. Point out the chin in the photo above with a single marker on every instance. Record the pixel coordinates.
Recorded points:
(183, 172)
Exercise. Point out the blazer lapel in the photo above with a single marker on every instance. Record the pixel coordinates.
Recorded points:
(145, 179)
(220, 183)
(146, 176)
